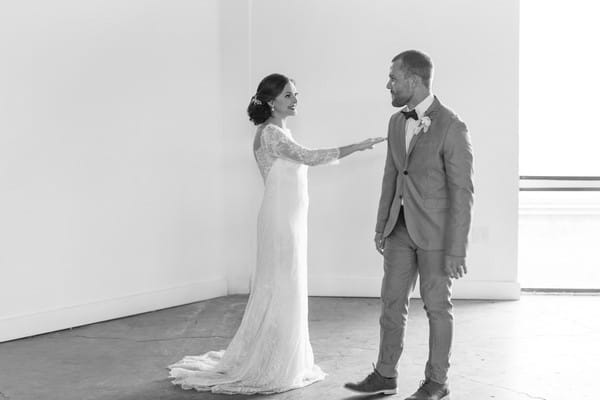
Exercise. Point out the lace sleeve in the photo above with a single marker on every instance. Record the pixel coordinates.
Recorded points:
(283, 146)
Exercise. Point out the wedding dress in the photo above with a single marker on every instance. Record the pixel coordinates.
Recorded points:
(271, 351)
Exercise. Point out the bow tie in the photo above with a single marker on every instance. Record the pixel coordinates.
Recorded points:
(410, 114)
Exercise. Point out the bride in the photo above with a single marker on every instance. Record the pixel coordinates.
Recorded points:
(271, 351)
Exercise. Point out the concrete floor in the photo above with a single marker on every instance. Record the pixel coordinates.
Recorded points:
(541, 347)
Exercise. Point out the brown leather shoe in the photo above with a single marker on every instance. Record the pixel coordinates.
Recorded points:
(430, 390)
(374, 383)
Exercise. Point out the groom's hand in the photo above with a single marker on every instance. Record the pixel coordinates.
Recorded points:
(455, 267)
(379, 242)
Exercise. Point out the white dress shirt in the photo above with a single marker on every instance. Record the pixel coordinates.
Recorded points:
(411, 124)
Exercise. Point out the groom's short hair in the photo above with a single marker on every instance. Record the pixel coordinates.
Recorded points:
(417, 63)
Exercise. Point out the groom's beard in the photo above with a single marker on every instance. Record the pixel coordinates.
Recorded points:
(398, 101)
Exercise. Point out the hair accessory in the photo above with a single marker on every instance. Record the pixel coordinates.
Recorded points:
(255, 101)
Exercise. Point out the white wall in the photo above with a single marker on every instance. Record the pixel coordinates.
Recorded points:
(127, 181)
(242, 186)
(110, 155)
(339, 52)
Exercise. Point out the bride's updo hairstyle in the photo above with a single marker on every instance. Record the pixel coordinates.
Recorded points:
(259, 109)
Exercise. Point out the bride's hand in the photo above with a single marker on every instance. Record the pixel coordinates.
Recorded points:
(369, 143)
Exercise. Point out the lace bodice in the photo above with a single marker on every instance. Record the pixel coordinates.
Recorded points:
(276, 142)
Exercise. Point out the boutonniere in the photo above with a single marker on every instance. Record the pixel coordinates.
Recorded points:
(424, 124)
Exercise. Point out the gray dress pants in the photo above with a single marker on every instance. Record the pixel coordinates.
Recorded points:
(403, 260)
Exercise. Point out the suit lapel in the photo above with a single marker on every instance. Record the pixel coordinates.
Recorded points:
(430, 112)
(401, 129)
(413, 141)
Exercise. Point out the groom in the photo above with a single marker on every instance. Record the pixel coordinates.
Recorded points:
(422, 224)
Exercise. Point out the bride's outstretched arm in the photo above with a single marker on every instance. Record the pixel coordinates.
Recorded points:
(364, 145)
(285, 147)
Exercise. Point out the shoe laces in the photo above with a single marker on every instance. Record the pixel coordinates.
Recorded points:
(373, 375)
(423, 386)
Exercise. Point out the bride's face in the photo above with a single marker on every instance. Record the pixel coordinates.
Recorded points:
(284, 105)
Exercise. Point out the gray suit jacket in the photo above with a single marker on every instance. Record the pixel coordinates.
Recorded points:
(434, 181)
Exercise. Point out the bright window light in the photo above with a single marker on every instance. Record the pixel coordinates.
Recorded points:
(559, 136)
(559, 113)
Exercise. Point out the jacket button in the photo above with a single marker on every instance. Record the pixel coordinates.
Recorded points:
(405, 172)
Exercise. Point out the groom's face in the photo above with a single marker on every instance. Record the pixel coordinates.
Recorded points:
(399, 85)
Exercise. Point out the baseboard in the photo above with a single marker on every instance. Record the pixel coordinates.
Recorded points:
(486, 290)
(20, 326)
(238, 285)
(371, 287)
(338, 286)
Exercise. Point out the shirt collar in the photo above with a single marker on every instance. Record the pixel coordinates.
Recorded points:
(424, 105)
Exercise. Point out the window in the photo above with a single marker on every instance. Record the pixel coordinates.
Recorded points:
(559, 137)
(559, 84)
